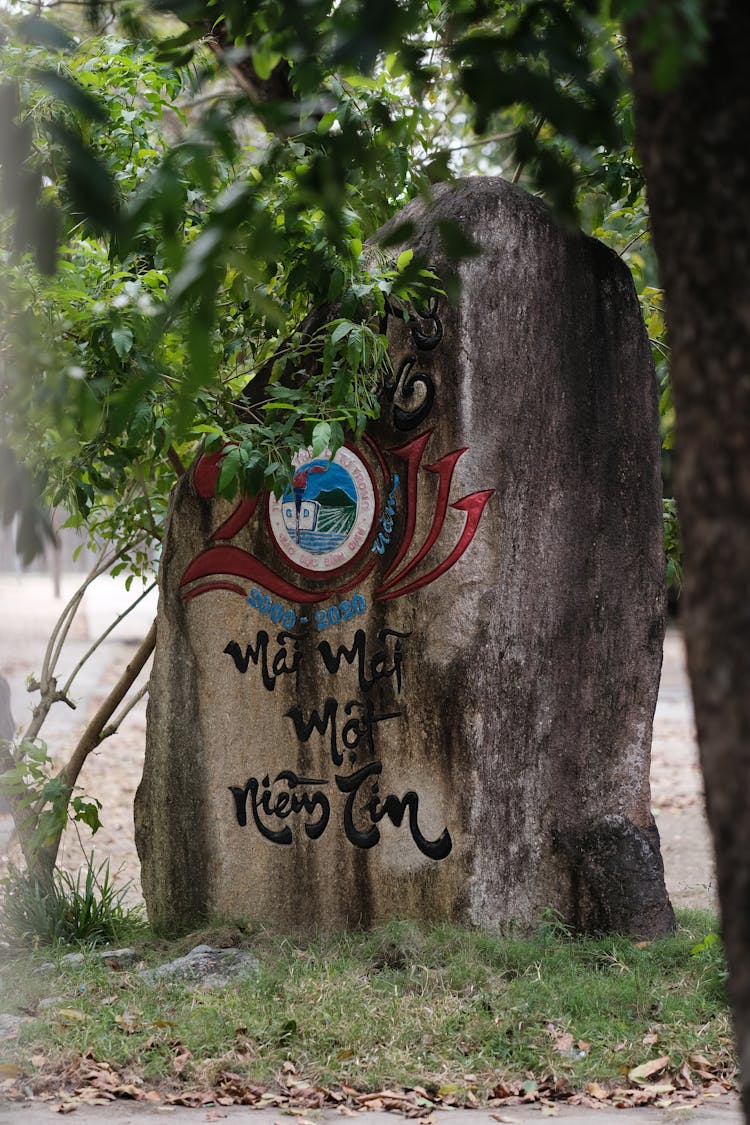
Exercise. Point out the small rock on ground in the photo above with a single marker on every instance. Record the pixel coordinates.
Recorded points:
(210, 967)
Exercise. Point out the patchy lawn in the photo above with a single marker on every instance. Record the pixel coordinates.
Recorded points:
(403, 1016)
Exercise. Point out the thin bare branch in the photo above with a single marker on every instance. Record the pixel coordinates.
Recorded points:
(93, 733)
(491, 139)
(633, 241)
(123, 713)
(65, 621)
(47, 685)
(175, 460)
(193, 103)
(103, 636)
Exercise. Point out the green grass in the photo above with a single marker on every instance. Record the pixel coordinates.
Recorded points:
(441, 1007)
(88, 907)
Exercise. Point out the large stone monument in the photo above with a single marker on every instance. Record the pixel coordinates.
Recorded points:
(422, 682)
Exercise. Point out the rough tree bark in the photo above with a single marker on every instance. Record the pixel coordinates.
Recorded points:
(693, 145)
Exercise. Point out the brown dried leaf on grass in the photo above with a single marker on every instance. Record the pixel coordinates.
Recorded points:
(232, 1089)
(192, 1099)
(645, 1070)
(597, 1092)
(182, 1056)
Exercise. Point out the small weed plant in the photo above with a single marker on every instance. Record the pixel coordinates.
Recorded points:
(86, 908)
(709, 953)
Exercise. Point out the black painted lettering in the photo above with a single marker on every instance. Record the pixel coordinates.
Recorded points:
(381, 665)
(283, 804)
(391, 806)
(320, 723)
(286, 661)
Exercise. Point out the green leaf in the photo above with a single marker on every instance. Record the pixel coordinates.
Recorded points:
(70, 92)
(265, 58)
(122, 339)
(87, 812)
(321, 438)
(341, 330)
(229, 472)
(403, 260)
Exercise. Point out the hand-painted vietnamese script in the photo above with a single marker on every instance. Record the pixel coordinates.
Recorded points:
(349, 731)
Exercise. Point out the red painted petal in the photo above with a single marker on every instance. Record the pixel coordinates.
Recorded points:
(474, 506)
(232, 560)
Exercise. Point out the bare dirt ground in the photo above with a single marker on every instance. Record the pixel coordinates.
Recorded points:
(28, 611)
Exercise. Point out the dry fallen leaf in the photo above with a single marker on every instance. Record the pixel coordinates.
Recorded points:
(72, 1014)
(502, 1118)
(128, 1090)
(190, 1098)
(594, 1090)
(645, 1070)
(564, 1042)
(182, 1056)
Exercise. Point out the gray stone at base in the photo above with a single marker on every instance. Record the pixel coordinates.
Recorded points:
(209, 967)
(474, 744)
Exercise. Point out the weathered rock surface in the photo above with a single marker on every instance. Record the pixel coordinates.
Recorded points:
(205, 965)
(435, 701)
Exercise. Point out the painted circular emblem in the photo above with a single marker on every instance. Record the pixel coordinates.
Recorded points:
(323, 521)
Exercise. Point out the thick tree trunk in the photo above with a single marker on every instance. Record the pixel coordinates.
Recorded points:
(693, 144)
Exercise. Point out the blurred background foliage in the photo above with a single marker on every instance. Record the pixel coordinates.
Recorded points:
(188, 193)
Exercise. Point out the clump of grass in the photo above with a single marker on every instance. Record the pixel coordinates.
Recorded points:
(709, 952)
(89, 907)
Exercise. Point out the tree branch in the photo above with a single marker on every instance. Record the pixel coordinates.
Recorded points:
(113, 625)
(47, 685)
(94, 732)
(123, 713)
(175, 460)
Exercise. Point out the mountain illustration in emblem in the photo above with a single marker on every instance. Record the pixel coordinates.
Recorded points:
(320, 509)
